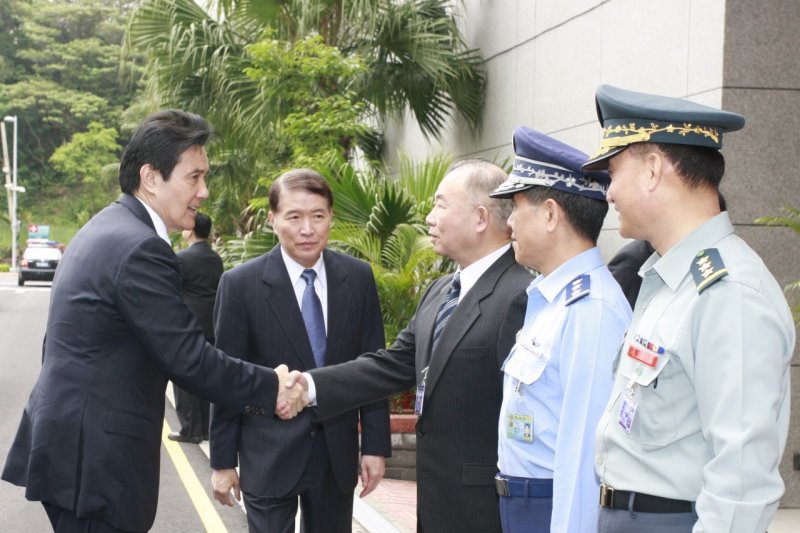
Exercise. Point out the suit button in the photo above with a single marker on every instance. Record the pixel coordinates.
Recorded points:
(313, 434)
(420, 433)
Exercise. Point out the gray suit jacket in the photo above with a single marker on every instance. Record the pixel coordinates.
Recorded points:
(457, 431)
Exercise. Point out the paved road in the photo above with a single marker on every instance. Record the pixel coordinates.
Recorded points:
(184, 504)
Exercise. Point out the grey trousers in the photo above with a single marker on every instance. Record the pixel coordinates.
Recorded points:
(624, 521)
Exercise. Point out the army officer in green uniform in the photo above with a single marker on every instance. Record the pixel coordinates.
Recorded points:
(698, 417)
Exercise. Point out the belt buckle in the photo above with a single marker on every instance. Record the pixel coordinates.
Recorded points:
(606, 496)
(502, 486)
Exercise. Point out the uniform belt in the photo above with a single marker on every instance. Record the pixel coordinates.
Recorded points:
(523, 487)
(642, 503)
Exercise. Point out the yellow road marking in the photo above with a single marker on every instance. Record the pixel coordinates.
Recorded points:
(197, 492)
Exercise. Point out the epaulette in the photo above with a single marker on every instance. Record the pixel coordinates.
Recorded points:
(577, 289)
(707, 269)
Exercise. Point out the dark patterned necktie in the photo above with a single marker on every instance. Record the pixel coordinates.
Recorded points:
(312, 316)
(446, 308)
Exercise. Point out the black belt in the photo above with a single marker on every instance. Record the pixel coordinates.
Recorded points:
(523, 487)
(642, 503)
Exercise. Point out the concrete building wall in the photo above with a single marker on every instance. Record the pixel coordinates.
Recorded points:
(545, 58)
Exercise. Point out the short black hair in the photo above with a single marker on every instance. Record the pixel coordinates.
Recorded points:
(202, 225)
(698, 166)
(159, 141)
(584, 214)
(299, 179)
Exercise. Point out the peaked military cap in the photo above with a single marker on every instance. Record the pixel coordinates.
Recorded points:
(543, 161)
(630, 117)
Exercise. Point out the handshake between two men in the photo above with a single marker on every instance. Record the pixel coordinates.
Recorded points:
(292, 392)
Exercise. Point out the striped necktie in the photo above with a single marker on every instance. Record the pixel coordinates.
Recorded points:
(446, 309)
(312, 316)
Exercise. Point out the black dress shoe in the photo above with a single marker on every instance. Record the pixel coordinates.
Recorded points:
(176, 436)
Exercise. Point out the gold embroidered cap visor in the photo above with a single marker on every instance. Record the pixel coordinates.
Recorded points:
(630, 117)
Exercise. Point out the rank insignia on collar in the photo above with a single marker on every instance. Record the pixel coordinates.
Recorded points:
(707, 269)
(577, 289)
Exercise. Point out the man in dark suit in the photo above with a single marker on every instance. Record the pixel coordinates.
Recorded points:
(625, 265)
(265, 314)
(201, 268)
(89, 441)
(457, 366)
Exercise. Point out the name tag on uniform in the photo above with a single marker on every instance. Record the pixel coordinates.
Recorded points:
(420, 398)
(520, 427)
(627, 412)
(643, 355)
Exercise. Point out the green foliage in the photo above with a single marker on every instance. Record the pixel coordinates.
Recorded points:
(791, 220)
(60, 71)
(304, 84)
(83, 163)
(5, 267)
(293, 82)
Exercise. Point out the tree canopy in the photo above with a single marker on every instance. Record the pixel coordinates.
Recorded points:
(60, 71)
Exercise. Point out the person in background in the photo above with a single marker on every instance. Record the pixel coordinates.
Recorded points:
(558, 375)
(201, 268)
(698, 418)
(305, 306)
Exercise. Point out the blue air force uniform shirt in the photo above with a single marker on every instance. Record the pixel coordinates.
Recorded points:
(556, 381)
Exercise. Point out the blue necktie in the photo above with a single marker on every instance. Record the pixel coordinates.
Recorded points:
(312, 316)
(446, 308)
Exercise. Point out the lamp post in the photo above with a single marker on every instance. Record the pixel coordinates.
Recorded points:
(14, 190)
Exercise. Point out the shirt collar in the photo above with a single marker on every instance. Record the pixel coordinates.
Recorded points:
(295, 269)
(675, 265)
(471, 274)
(550, 286)
(161, 228)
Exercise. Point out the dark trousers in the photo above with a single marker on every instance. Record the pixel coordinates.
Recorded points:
(193, 413)
(324, 507)
(64, 521)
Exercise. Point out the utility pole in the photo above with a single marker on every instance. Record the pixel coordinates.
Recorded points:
(14, 190)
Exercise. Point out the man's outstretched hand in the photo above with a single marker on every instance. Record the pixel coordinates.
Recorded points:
(292, 396)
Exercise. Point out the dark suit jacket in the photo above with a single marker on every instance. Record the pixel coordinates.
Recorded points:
(257, 318)
(457, 431)
(201, 268)
(625, 265)
(117, 330)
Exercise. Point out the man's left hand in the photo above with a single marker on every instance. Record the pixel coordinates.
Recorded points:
(372, 469)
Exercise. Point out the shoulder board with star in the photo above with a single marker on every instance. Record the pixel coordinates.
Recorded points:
(577, 289)
(707, 269)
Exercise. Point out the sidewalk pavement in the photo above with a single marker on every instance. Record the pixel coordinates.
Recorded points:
(390, 508)
(395, 504)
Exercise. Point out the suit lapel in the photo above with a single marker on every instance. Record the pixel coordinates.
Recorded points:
(137, 208)
(338, 306)
(278, 292)
(462, 319)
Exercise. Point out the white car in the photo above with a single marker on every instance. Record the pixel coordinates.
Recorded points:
(38, 264)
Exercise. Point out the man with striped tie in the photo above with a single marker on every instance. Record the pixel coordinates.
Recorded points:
(451, 350)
